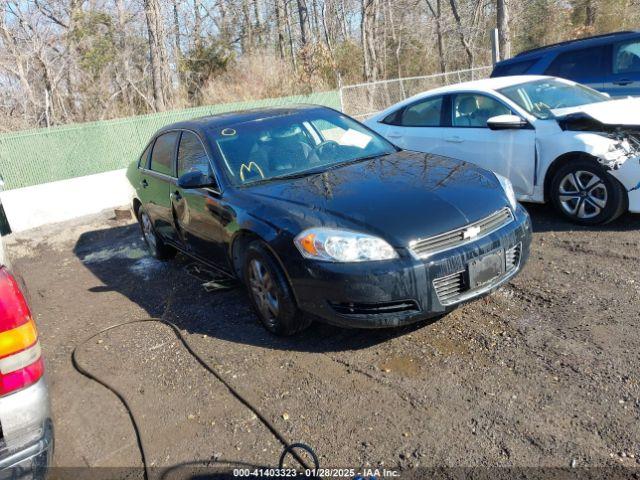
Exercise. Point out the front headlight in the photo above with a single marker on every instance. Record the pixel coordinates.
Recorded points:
(508, 190)
(331, 245)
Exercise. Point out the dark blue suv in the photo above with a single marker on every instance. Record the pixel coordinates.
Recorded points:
(609, 63)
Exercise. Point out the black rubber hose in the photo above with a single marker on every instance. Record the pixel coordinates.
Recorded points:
(289, 447)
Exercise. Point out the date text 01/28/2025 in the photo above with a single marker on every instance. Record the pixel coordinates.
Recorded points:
(346, 473)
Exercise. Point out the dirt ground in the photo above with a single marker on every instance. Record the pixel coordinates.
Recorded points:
(542, 373)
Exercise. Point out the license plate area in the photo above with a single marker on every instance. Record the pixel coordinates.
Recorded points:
(486, 269)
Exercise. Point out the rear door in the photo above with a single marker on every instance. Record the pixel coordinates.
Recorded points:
(623, 77)
(418, 126)
(200, 213)
(586, 66)
(511, 153)
(156, 181)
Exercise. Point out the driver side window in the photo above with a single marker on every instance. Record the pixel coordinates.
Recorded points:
(473, 110)
(192, 156)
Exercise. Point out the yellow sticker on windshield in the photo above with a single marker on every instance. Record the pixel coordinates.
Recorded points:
(244, 168)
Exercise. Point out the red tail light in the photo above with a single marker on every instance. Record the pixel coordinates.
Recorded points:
(20, 361)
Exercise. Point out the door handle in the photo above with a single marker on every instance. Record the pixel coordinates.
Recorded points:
(623, 81)
(394, 135)
(144, 183)
(454, 139)
(176, 196)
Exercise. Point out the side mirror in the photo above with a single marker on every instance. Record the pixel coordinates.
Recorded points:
(506, 122)
(195, 179)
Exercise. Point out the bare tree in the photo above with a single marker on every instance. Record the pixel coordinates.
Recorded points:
(65, 61)
(437, 15)
(504, 35)
(368, 34)
(460, 29)
(303, 16)
(153, 16)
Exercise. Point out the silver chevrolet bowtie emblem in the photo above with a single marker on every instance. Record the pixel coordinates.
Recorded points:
(471, 232)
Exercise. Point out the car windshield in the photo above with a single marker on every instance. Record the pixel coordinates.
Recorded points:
(297, 144)
(541, 97)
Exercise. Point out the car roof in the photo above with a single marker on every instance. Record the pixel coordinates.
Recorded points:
(240, 116)
(572, 45)
(485, 84)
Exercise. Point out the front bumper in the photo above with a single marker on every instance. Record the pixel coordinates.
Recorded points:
(26, 447)
(399, 292)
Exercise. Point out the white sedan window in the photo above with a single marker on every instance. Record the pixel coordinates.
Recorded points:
(425, 113)
(473, 110)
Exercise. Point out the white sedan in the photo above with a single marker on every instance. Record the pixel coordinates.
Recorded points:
(556, 140)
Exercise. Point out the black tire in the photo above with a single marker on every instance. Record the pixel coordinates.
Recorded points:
(584, 192)
(269, 292)
(156, 246)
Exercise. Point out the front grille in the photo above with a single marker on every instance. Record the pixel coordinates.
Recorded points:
(375, 308)
(450, 287)
(454, 288)
(512, 256)
(428, 246)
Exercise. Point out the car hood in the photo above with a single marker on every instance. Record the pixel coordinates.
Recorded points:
(399, 197)
(613, 113)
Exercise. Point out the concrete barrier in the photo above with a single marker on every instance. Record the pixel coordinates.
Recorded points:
(53, 202)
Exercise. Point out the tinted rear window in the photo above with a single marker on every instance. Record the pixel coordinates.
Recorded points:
(143, 161)
(577, 64)
(517, 68)
(424, 113)
(162, 154)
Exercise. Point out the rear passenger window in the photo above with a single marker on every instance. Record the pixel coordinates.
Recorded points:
(162, 154)
(192, 156)
(626, 57)
(425, 113)
(577, 65)
(143, 161)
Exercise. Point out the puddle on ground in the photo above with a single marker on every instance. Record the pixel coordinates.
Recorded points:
(133, 253)
(146, 267)
(401, 365)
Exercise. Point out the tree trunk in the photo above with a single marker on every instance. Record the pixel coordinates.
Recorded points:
(258, 22)
(303, 15)
(368, 32)
(176, 39)
(289, 27)
(437, 15)
(325, 28)
(396, 36)
(589, 14)
(463, 38)
(279, 28)
(154, 28)
(246, 43)
(504, 35)
(197, 24)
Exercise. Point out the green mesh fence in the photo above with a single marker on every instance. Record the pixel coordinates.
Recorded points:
(39, 156)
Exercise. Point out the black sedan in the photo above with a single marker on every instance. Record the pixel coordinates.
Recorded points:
(324, 219)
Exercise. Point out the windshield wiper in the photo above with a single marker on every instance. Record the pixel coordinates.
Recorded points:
(286, 176)
(369, 157)
(314, 171)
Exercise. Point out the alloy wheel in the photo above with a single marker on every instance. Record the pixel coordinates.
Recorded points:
(147, 231)
(263, 291)
(583, 194)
